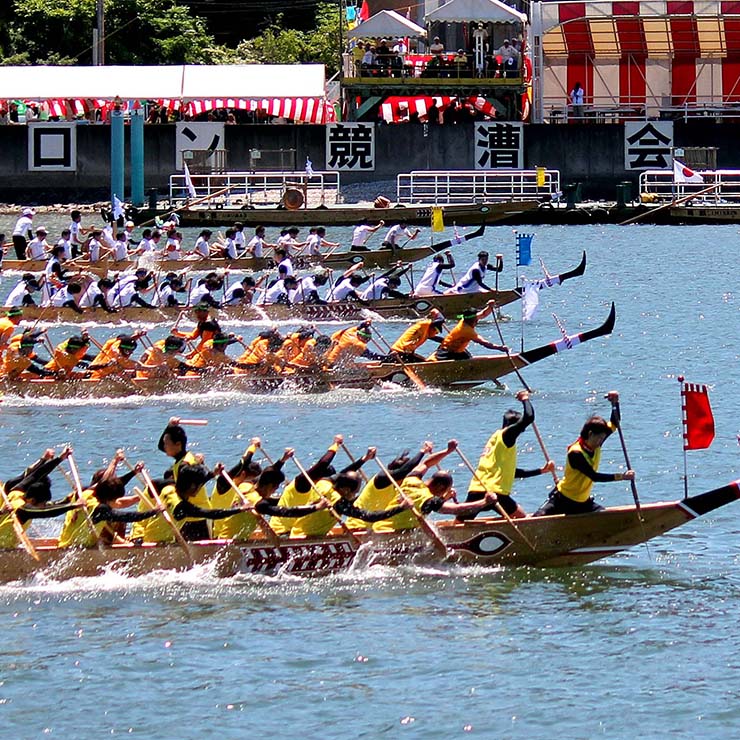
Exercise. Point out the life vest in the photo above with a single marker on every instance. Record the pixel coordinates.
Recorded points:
(575, 485)
(293, 497)
(240, 526)
(418, 492)
(8, 538)
(372, 498)
(76, 530)
(320, 522)
(496, 467)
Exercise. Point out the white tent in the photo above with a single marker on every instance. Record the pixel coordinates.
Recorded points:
(386, 24)
(485, 11)
(183, 82)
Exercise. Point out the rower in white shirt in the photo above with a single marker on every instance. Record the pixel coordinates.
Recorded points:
(257, 243)
(119, 251)
(430, 280)
(239, 239)
(473, 280)
(94, 247)
(66, 244)
(202, 248)
(361, 233)
(37, 248)
(228, 248)
(21, 295)
(241, 293)
(393, 235)
(280, 291)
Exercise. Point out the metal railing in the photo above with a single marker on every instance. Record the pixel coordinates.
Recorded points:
(470, 186)
(254, 188)
(661, 183)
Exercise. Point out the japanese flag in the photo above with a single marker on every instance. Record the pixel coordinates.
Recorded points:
(681, 173)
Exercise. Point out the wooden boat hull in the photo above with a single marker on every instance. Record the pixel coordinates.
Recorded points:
(464, 214)
(402, 308)
(377, 258)
(542, 542)
(449, 374)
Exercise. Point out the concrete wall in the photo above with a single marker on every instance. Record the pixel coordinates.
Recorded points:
(590, 154)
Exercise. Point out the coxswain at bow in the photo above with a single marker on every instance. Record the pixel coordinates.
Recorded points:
(162, 359)
(454, 345)
(29, 497)
(497, 466)
(300, 491)
(572, 495)
(428, 329)
(350, 344)
(434, 494)
(472, 281)
(69, 354)
(258, 487)
(431, 279)
(180, 500)
(19, 361)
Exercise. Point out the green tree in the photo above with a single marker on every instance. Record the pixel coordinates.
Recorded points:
(137, 32)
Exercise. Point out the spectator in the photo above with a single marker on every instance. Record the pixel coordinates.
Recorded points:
(576, 100)
(437, 47)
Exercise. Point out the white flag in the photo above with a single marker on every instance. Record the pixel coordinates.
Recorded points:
(118, 209)
(189, 182)
(309, 167)
(681, 173)
(530, 300)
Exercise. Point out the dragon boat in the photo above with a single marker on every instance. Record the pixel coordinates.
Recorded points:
(542, 542)
(373, 259)
(401, 308)
(445, 374)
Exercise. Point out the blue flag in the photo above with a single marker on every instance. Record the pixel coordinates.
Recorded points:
(524, 249)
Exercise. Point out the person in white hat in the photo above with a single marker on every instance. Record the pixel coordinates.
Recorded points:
(22, 232)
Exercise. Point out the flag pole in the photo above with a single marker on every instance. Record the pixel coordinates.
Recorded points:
(683, 439)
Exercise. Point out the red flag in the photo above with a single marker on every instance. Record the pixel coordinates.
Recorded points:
(364, 11)
(698, 421)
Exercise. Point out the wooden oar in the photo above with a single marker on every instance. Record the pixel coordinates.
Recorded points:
(353, 539)
(439, 547)
(500, 509)
(633, 485)
(352, 458)
(145, 478)
(526, 387)
(20, 533)
(670, 205)
(78, 488)
(270, 533)
(410, 373)
(190, 204)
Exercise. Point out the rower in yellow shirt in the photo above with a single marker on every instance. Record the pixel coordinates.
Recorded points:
(497, 467)
(572, 495)
(434, 494)
(428, 329)
(454, 345)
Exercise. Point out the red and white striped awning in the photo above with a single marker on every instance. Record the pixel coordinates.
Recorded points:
(680, 51)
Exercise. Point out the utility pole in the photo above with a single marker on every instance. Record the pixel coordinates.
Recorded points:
(98, 44)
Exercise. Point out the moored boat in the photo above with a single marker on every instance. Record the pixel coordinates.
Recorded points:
(449, 374)
(550, 541)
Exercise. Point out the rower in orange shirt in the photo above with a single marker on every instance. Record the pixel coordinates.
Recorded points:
(349, 344)
(162, 359)
(115, 358)
(19, 361)
(68, 354)
(8, 325)
(454, 345)
(261, 356)
(429, 329)
(212, 357)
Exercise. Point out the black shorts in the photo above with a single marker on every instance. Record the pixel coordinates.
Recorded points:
(559, 504)
(507, 503)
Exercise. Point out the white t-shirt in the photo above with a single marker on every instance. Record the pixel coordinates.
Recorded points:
(314, 245)
(395, 232)
(22, 226)
(374, 291)
(88, 297)
(37, 249)
(230, 249)
(198, 293)
(16, 295)
(67, 244)
(119, 251)
(61, 297)
(201, 247)
(288, 265)
(240, 241)
(466, 284)
(360, 234)
(230, 299)
(74, 232)
(428, 283)
(340, 291)
(256, 246)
